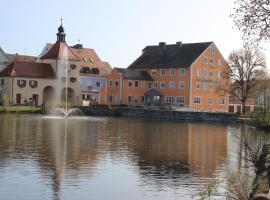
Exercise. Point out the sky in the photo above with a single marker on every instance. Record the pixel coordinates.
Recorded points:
(118, 30)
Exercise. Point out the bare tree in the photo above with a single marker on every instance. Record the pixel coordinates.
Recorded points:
(247, 66)
(252, 17)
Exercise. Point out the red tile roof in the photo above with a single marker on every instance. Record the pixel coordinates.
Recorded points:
(58, 50)
(18, 57)
(28, 69)
(89, 58)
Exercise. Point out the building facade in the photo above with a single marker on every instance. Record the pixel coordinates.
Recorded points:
(60, 73)
(185, 77)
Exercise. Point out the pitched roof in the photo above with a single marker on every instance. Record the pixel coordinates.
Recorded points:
(89, 58)
(28, 69)
(172, 55)
(17, 57)
(57, 51)
(134, 74)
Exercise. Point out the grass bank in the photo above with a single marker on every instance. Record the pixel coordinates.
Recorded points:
(22, 109)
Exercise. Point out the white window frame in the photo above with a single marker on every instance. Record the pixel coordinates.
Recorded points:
(162, 70)
(180, 97)
(197, 100)
(155, 84)
(198, 73)
(171, 83)
(212, 61)
(142, 84)
(219, 74)
(131, 83)
(205, 73)
(181, 83)
(211, 73)
(161, 85)
(172, 70)
(210, 103)
(219, 62)
(221, 101)
(205, 86)
(181, 71)
(205, 60)
(170, 98)
(198, 84)
(212, 49)
(154, 72)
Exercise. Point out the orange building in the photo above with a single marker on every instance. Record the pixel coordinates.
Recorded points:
(184, 76)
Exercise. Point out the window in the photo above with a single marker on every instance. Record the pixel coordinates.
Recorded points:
(205, 60)
(198, 85)
(172, 72)
(136, 83)
(129, 83)
(181, 84)
(182, 72)
(222, 101)
(83, 96)
(110, 98)
(2, 81)
(211, 86)
(180, 100)
(154, 72)
(171, 85)
(142, 99)
(219, 62)
(116, 83)
(205, 85)
(162, 85)
(219, 74)
(212, 61)
(149, 85)
(129, 99)
(98, 84)
(198, 73)
(72, 66)
(155, 84)
(163, 72)
(21, 83)
(197, 100)
(211, 74)
(142, 84)
(33, 84)
(210, 101)
(111, 83)
(73, 79)
(205, 73)
(170, 99)
(212, 50)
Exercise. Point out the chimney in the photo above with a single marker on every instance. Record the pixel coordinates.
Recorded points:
(162, 46)
(179, 43)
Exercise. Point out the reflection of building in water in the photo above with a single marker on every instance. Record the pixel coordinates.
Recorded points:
(176, 147)
(60, 151)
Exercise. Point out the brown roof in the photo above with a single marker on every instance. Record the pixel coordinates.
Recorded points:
(28, 69)
(17, 57)
(58, 51)
(89, 58)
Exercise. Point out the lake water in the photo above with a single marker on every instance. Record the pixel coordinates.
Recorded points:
(112, 158)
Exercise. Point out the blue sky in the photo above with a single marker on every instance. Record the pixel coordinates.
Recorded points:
(118, 29)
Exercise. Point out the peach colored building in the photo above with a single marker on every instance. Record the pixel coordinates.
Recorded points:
(184, 76)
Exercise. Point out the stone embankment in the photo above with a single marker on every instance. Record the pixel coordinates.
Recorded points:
(158, 114)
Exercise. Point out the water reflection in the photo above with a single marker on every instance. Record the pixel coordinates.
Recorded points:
(70, 155)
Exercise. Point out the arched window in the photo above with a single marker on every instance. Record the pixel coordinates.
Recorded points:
(21, 83)
(95, 71)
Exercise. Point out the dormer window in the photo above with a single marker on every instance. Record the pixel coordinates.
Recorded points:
(21, 83)
(85, 70)
(33, 84)
(90, 60)
(95, 71)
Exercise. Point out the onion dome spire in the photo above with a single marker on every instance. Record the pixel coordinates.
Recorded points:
(61, 33)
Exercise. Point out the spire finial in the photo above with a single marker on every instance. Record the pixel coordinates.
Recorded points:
(61, 21)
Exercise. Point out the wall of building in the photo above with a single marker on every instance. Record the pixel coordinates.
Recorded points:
(178, 79)
(211, 87)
